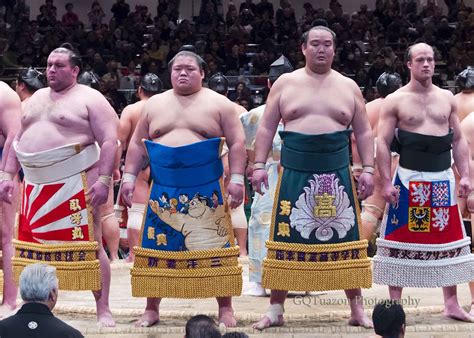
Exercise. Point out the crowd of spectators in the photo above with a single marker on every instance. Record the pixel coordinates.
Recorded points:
(240, 41)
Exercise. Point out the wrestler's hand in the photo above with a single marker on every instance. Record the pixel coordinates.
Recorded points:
(470, 202)
(259, 177)
(365, 186)
(127, 193)
(98, 194)
(116, 176)
(6, 191)
(464, 187)
(236, 193)
(390, 194)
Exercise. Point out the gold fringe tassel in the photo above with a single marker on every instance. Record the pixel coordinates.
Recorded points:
(82, 273)
(195, 283)
(316, 276)
(181, 281)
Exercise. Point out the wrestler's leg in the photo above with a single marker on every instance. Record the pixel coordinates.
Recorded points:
(274, 315)
(151, 316)
(110, 227)
(372, 209)
(226, 312)
(358, 316)
(395, 292)
(452, 309)
(133, 239)
(8, 212)
(471, 288)
(239, 224)
(104, 315)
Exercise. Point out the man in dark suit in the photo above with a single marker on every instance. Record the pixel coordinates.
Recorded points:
(39, 291)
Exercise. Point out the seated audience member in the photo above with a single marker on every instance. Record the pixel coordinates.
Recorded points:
(389, 319)
(39, 291)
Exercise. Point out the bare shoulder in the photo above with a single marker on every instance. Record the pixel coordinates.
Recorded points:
(467, 124)
(8, 93)
(294, 77)
(445, 93)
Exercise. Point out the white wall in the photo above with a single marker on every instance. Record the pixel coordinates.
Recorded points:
(190, 7)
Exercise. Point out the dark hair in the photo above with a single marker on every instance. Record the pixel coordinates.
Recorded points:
(388, 317)
(89, 78)
(32, 78)
(465, 79)
(219, 83)
(304, 37)
(387, 83)
(151, 84)
(199, 60)
(74, 58)
(202, 326)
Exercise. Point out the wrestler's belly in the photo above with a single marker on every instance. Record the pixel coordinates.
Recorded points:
(314, 125)
(44, 136)
(180, 137)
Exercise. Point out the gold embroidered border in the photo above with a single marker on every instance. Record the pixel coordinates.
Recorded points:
(90, 214)
(289, 278)
(184, 255)
(316, 248)
(198, 283)
(356, 203)
(315, 266)
(67, 246)
(142, 262)
(275, 202)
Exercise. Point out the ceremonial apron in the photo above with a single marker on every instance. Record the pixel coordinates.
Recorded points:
(314, 240)
(187, 244)
(55, 224)
(422, 239)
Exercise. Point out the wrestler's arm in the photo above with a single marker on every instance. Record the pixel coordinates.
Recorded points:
(467, 128)
(365, 143)
(235, 137)
(125, 129)
(136, 154)
(10, 123)
(104, 123)
(385, 133)
(460, 149)
(268, 124)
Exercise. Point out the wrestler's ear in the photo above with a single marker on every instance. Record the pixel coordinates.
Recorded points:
(76, 70)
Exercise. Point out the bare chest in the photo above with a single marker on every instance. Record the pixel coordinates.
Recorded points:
(60, 112)
(419, 110)
(200, 117)
(324, 102)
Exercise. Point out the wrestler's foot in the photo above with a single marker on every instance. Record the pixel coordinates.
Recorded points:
(472, 309)
(255, 289)
(226, 317)
(6, 310)
(360, 319)
(267, 322)
(129, 259)
(457, 313)
(105, 319)
(243, 253)
(148, 318)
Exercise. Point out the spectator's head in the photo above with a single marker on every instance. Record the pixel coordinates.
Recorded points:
(389, 319)
(202, 326)
(387, 83)
(219, 83)
(38, 283)
(150, 84)
(465, 80)
(69, 6)
(281, 66)
(89, 78)
(29, 80)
